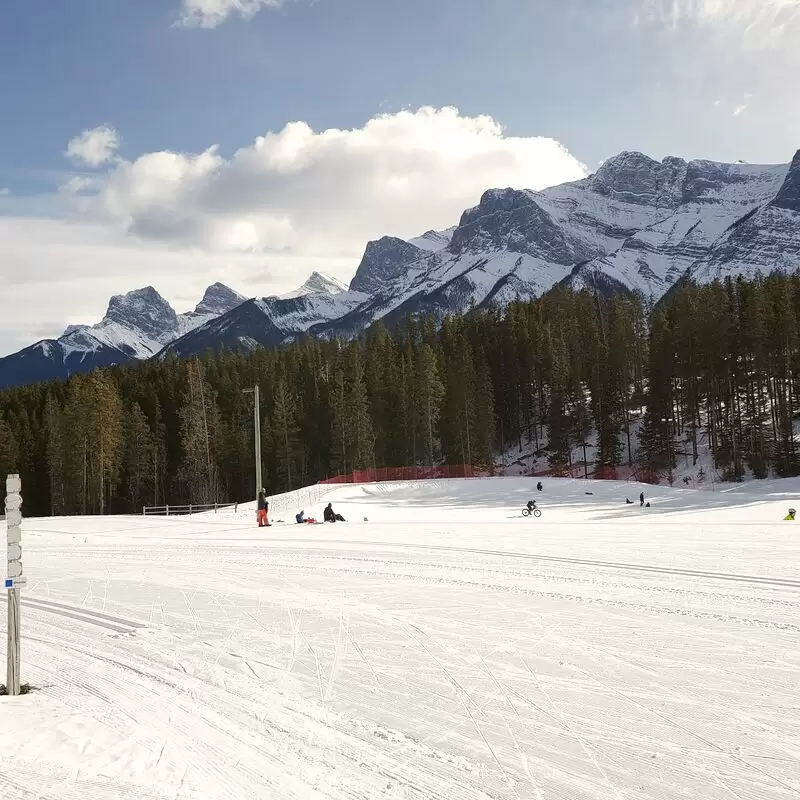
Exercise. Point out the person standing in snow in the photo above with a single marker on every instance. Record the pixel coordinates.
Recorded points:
(263, 509)
(641, 499)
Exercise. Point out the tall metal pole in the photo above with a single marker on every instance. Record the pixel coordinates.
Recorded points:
(257, 427)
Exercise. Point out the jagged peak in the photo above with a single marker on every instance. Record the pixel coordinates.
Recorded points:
(317, 283)
(138, 299)
(217, 299)
(384, 259)
(788, 196)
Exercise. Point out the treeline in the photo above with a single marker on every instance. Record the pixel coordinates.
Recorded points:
(719, 361)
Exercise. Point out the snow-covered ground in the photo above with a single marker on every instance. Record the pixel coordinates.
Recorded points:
(446, 648)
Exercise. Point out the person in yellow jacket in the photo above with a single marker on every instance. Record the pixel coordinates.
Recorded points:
(790, 515)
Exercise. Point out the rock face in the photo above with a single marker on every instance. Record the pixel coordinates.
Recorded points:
(636, 225)
(218, 299)
(383, 263)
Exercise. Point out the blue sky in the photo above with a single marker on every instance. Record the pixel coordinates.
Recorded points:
(694, 78)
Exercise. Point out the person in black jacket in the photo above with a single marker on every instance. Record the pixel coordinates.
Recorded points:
(641, 498)
(330, 516)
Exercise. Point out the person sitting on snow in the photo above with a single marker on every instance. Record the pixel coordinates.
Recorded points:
(628, 501)
(790, 515)
(300, 518)
(539, 486)
(330, 516)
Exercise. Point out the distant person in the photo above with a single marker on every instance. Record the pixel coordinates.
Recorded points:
(263, 509)
(647, 504)
(300, 518)
(531, 505)
(539, 486)
(790, 515)
(641, 499)
(628, 501)
(329, 515)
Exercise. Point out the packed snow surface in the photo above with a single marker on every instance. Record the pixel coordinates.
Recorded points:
(446, 648)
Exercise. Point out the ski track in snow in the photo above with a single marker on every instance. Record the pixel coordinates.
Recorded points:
(445, 650)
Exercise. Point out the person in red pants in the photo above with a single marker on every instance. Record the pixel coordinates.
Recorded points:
(263, 509)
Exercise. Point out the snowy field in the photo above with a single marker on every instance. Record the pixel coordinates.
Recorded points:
(446, 648)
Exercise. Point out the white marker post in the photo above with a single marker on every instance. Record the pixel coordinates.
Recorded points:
(15, 581)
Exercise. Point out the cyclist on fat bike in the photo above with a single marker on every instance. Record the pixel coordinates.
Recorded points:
(531, 505)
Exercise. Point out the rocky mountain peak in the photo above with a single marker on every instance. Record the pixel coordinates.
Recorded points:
(633, 177)
(788, 196)
(142, 310)
(218, 299)
(384, 260)
(320, 282)
(317, 283)
(513, 220)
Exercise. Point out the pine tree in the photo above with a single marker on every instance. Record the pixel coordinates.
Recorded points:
(140, 455)
(54, 433)
(199, 415)
(429, 394)
(284, 433)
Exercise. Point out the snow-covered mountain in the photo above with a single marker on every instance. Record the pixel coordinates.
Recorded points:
(136, 325)
(318, 282)
(637, 224)
(270, 321)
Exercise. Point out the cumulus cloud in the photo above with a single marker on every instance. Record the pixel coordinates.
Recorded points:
(210, 13)
(763, 22)
(75, 185)
(740, 109)
(326, 193)
(94, 147)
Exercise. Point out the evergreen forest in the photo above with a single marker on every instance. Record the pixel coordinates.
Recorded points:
(712, 368)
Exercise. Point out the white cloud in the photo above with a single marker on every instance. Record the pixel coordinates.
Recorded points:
(740, 109)
(761, 22)
(94, 147)
(5, 192)
(210, 13)
(75, 185)
(325, 194)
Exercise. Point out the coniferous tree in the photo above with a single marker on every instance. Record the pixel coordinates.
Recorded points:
(200, 423)
(139, 458)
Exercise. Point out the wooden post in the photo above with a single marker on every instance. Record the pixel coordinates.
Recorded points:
(14, 579)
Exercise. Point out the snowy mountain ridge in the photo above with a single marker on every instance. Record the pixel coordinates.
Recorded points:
(136, 326)
(636, 225)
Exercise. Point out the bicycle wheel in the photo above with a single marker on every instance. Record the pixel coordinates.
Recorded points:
(536, 512)
(526, 512)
